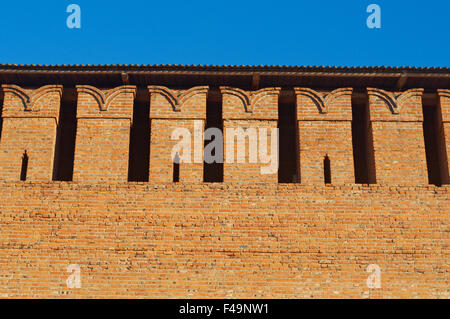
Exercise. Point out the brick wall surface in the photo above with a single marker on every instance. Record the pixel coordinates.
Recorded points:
(223, 240)
(248, 237)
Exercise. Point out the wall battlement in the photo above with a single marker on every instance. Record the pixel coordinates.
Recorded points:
(396, 142)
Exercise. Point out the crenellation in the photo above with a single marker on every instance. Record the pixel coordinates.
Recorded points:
(172, 110)
(398, 141)
(246, 115)
(104, 119)
(324, 130)
(325, 135)
(30, 118)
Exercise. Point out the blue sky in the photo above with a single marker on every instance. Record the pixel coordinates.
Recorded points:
(314, 32)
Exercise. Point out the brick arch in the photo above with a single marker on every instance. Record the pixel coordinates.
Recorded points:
(241, 94)
(98, 95)
(331, 97)
(30, 100)
(394, 102)
(250, 99)
(177, 100)
(114, 93)
(167, 93)
(104, 100)
(403, 98)
(255, 97)
(20, 93)
(323, 101)
(41, 92)
(186, 95)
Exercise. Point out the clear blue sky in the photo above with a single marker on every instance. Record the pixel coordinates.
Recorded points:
(313, 32)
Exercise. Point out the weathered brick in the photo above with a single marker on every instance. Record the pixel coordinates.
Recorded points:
(398, 142)
(30, 118)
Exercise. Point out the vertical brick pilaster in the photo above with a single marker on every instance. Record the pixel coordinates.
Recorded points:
(247, 112)
(104, 119)
(30, 119)
(397, 128)
(173, 111)
(325, 129)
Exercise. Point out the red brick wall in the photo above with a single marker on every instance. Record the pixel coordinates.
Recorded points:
(223, 240)
(397, 126)
(247, 237)
(248, 110)
(30, 118)
(325, 128)
(104, 119)
(171, 110)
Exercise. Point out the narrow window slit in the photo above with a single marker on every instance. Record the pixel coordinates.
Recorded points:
(176, 168)
(327, 169)
(24, 169)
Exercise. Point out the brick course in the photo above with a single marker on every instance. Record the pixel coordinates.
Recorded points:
(223, 240)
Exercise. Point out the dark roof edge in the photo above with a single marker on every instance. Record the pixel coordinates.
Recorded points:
(282, 69)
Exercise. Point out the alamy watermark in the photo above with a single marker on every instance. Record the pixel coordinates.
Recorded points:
(374, 279)
(374, 20)
(74, 19)
(74, 279)
(258, 150)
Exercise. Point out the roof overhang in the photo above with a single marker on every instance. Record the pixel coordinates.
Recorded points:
(246, 77)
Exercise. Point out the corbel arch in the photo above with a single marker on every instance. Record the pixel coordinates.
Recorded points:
(29, 101)
(20, 93)
(395, 102)
(249, 99)
(41, 92)
(177, 100)
(104, 100)
(258, 95)
(241, 94)
(114, 93)
(97, 94)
